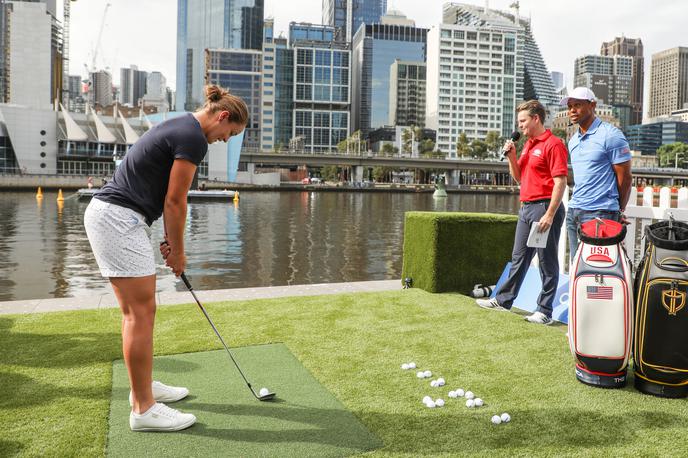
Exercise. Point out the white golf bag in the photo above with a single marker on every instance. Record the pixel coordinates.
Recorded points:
(601, 305)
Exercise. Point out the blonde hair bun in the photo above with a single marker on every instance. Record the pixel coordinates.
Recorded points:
(220, 99)
(215, 93)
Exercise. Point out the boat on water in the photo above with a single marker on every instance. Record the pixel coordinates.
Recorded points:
(86, 193)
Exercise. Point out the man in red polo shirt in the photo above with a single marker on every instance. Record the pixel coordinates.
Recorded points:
(541, 170)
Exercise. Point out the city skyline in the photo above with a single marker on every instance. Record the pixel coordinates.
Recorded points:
(552, 24)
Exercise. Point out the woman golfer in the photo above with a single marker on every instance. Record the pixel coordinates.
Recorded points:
(153, 180)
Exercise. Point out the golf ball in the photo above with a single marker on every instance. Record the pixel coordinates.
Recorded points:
(452, 394)
(439, 402)
(496, 419)
(264, 392)
(459, 393)
(412, 365)
(405, 366)
(426, 399)
(433, 383)
(506, 418)
(469, 395)
(430, 404)
(440, 381)
(420, 374)
(470, 403)
(478, 402)
(427, 373)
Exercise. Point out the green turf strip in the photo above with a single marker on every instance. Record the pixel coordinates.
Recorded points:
(303, 420)
(56, 376)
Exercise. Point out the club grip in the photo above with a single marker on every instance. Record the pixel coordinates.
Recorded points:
(186, 281)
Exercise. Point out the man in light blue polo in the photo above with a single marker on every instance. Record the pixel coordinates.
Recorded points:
(601, 162)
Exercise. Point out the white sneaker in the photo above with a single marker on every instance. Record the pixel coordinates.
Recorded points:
(539, 318)
(160, 418)
(164, 393)
(490, 304)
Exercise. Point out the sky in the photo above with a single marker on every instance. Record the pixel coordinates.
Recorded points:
(143, 33)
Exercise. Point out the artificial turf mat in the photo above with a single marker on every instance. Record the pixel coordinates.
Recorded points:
(56, 376)
(304, 420)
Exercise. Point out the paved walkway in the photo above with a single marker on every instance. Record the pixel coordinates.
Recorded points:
(184, 297)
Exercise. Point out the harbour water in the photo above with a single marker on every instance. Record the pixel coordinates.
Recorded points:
(267, 239)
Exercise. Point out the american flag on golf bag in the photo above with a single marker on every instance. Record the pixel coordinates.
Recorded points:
(600, 292)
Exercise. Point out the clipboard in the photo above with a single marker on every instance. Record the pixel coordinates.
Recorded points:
(537, 239)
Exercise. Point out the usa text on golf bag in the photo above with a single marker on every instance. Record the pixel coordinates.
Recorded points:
(601, 305)
(660, 350)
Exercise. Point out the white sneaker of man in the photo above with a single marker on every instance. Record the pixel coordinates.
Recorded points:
(490, 304)
(539, 318)
(164, 393)
(160, 418)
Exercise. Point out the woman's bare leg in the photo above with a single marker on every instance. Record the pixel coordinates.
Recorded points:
(136, 297)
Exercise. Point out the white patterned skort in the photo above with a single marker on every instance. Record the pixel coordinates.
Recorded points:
(120, 240)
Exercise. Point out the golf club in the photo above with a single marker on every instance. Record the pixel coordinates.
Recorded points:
(265, 397)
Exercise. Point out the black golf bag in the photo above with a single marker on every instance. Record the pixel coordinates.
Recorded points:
(660, 349)
(601, 305)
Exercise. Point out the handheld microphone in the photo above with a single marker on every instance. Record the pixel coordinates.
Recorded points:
(514, 138)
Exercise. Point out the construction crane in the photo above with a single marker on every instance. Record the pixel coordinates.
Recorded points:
(92, 69)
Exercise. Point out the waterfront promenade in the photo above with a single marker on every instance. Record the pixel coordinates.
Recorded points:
(184, 297)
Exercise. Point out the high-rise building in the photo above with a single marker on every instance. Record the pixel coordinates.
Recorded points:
(4, 51)
(74, 86)
(480, 64)
(610, 78)
(156, 85)
(31, 55)
(668, 81)
(346, 16)
(101, 88)
(156, 92)
(75, 96)
(647, 138)
(557, 80)
(278, 90)
(239, 71)
(321, 89)
(375, 48)
(533, 81)
(211, 24)
(132, 85)
(407, 93)
(633, 47)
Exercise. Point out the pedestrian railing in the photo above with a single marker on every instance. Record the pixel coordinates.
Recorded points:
(671, 202)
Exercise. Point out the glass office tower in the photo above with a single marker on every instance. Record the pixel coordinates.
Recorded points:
(240, 71)
(346, 16)
(321, 88)
(375, 48)
(211, 24)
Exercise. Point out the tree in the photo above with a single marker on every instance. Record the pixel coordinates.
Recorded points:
(673, 154)
(354, 144)
(561, 133)
(427, 146)
(389, 149)
(406, 138)
(329, 173)
(341, 146)
(463, 148)
(479, 149)
(494, 142)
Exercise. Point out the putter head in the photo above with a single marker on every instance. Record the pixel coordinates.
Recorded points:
(267, 397)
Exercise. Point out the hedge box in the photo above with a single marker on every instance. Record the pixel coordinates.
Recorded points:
(454, 251)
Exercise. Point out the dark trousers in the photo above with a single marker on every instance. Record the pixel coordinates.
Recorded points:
(577, 216)
(522, 255)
